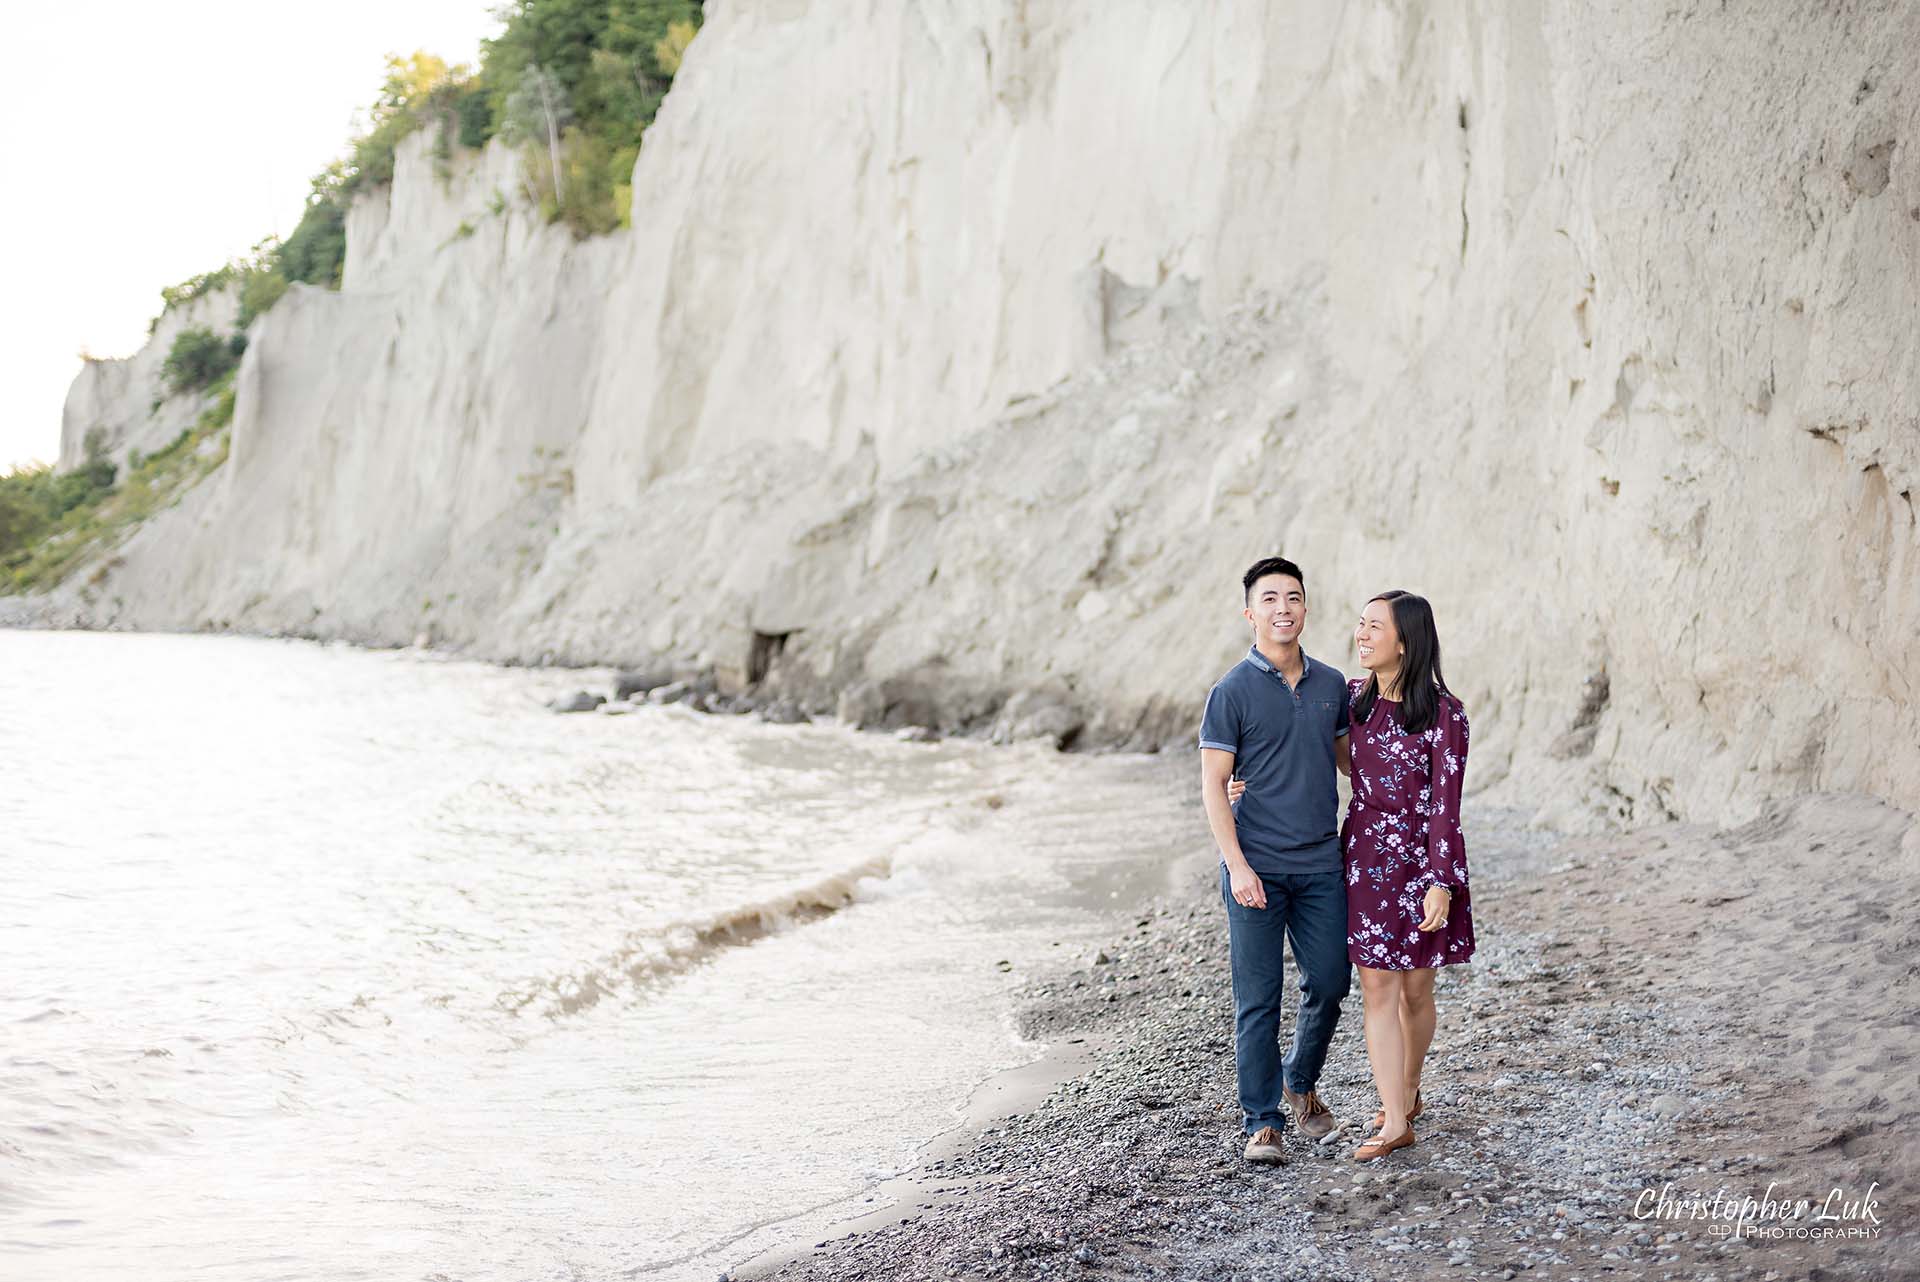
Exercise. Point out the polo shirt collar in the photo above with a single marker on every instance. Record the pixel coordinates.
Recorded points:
(1260, 662)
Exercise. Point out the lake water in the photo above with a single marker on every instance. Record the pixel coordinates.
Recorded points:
(330, 963)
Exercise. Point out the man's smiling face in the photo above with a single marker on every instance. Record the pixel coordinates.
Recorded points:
(1277, 609)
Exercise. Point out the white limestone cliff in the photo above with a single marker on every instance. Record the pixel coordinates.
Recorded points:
(124, 405)
(969, 351)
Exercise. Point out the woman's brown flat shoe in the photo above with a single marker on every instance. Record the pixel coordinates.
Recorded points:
(1380, 1118)
(1377, 1147)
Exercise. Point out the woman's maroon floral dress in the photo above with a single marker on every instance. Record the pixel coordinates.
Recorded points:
(1402, 835)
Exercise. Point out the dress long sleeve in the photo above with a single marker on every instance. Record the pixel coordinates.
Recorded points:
(1446, 846)
(1402, 837)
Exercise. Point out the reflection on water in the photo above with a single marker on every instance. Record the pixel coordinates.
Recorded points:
(328, 963)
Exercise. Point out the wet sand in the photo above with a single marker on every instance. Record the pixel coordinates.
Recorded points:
(1675, 1012)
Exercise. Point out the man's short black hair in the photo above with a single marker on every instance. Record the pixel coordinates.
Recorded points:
(1270, 565)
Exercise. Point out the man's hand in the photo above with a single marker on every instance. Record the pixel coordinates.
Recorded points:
(1439, 899)
(1246, 886)
(1234, 788)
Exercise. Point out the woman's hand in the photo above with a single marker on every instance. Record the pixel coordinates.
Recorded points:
(1439, 899)
(1234, 788)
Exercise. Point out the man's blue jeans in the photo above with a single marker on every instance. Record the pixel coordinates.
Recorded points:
(1311, 909)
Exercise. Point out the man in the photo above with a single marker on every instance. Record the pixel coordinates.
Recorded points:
(1278, 720)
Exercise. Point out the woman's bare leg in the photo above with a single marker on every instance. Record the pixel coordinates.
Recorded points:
(1417, 1019)
(1380, 992)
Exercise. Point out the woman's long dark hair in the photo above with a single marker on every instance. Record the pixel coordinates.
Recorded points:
(1421, 684)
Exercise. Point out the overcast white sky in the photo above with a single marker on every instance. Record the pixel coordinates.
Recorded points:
(146, 142)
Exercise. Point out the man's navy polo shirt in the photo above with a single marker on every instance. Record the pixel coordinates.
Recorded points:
(1282, 741)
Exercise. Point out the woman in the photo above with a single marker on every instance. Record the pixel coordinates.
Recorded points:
(1408, 911)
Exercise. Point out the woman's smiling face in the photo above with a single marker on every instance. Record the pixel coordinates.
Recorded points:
(1377, 640)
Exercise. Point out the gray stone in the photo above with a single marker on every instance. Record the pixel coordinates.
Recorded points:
(628, 684)
(1036, 714)
(861, 705)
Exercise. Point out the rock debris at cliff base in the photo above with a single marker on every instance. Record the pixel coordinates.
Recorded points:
(1631, 1022)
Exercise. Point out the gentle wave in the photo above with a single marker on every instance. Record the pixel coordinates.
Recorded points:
(680, 946)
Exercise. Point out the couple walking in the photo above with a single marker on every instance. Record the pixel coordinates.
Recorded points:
(1386, 891)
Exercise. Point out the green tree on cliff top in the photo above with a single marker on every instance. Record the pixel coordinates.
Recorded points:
(590, 73)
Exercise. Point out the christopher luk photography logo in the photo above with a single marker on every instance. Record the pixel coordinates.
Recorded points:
(1836, 1213)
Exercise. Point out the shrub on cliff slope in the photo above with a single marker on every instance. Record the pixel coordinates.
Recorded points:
(50, 524)
(318, 247)
(260, 289)
(198, 357)
(34, 499)
(196, 286)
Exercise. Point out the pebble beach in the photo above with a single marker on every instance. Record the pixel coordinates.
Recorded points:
(1629, 1043)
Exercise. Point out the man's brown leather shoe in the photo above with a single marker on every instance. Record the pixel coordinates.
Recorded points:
(1312, 1118)
(1264, 1146)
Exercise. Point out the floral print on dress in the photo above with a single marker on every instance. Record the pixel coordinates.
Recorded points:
(1402, 836)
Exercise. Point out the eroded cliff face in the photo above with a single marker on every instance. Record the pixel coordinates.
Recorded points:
(123, 405)
(971, 351)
